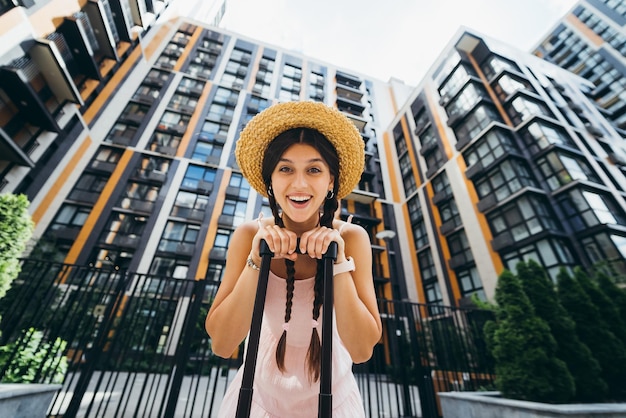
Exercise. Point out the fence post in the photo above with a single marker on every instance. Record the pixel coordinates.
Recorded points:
(182, 351)
(96, 350)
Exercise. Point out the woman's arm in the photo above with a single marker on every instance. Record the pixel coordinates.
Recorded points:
(228, 320)
(356, 309)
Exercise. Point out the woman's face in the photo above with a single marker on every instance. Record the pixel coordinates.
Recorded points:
(300, 182)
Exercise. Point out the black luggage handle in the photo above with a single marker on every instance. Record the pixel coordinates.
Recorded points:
(244, 403)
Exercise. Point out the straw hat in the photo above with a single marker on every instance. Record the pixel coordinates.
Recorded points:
(334, 125)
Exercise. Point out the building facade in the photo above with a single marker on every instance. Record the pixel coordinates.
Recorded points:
(504, 157)
(128, 158)
(119, 124)
(591, 41)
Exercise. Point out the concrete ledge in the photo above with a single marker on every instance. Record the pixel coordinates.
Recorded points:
(25, 400)
(491, 405)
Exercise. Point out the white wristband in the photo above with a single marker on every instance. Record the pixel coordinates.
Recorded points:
(344, 267)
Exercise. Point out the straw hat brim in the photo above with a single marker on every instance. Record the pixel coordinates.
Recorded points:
(334, 125)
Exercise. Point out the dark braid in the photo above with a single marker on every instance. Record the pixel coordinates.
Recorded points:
(291, 274)
(314, 353)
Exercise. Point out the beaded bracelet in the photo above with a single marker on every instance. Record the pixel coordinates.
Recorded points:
(250, 263)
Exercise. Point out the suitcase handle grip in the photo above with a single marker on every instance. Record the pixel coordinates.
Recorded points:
(331, 251)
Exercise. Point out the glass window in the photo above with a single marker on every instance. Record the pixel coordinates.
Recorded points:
(539, 135)
(504, 180)
(70, 216)
(470, 283)
(527, 216)
(196, 174)
(493, 145)
(481, 117)
(560, 169)
(523, 108)
(585, 209)
(552, 254)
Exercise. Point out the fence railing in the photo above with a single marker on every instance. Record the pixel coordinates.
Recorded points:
(127, 344)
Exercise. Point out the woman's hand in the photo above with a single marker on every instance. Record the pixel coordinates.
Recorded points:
(316, 241)
(281, 242)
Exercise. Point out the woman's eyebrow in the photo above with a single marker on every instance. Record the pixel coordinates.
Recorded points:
(312, 160)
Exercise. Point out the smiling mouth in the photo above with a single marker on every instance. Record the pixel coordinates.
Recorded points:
(299, 199)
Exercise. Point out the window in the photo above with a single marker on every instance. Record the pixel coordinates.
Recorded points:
(190, 205)
(164, 143)
(496, 64)
(476, 122)
(560, 169)
(70, 216)
(450, 213)
(428, 138)
(239, 183)
(538, 135)
(552, 254)
(169, 267)
(463, 103)
(88, 187)
(179, 237)
(460, 249)
(523, 218)
(441, 185)
(504, 180)
(121, 133)
(123, 229)
(418, 225)
(235, 209)
(470, 283)
(507, 85)
(139, 196)
(207, 153)
(434, 159)
(585, 209)
(454, 83)
(196, 176)
(222, 238)
(153, 168)
(428, 272)
(523, 108)
(493, 145)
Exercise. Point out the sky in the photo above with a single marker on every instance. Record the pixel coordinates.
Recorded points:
(389, 38)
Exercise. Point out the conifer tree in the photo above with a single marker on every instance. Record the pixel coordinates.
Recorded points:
(612, 291)
(585, 369)
(524, 349)
(594, 332)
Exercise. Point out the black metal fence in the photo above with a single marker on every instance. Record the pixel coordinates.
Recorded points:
(133, 345)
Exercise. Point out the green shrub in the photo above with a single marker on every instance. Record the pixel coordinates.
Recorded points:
(36, 361)
(581, 363)
(524, 349)
(16, 228)
(594, 332)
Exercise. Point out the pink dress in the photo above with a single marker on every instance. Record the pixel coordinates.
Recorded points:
(289, 395)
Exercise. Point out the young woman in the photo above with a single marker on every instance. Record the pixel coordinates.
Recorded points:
(302, 156)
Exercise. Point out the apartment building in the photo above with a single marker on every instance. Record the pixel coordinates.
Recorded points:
(502, 157)
(591, 41)
(119, 122)
(122, 135)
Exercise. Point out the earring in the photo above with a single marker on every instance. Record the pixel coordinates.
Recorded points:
(330, 194)
(270, 192)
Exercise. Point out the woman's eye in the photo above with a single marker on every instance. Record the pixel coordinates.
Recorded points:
(315, 170)
(284, 169)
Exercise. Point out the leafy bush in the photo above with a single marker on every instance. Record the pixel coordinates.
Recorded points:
(524, 349)
(16, 228)
(36, 361)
